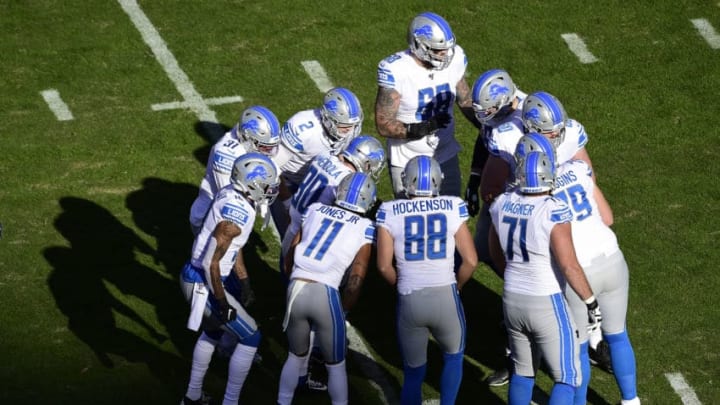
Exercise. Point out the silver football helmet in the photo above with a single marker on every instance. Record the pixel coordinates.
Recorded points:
(367, 155)
(356, 192)
(431, 40)
(493, 92)
(535, 173)
(422, 177)
(543, 113)
(534, 142)
(257, 176)
(259, 129)
(342, 116)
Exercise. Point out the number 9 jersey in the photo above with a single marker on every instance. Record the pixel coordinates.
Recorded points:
(423, 232)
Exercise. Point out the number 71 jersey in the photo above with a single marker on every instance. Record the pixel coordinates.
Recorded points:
(331, 238)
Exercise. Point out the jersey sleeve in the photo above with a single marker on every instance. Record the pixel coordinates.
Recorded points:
(386, 75)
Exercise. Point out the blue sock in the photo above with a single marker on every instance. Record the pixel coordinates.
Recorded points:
(622, 357)
(520, 391)
(581, 391)
(561, 394)
(451, 377)
(411, 393)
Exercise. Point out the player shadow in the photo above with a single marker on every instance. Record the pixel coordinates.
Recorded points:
(211, 132)
(97, 277)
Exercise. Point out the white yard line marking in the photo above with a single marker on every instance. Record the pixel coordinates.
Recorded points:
(681, 387)
(369, 367)
(175, 105)
(57, 106)
(707, 31)
(578, 47)
(167, 60)
(317, 73)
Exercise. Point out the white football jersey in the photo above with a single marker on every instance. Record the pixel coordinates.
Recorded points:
(591, 237)
(319, 185)
(229, 205)
(331, 238)
(575, 139)
(220, 162)
(301, 139)
(423, 231)
(523, 224)
(424, 93)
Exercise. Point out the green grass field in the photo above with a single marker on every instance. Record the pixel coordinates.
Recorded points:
(95, 208)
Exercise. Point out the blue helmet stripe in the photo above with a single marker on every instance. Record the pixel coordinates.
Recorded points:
(531, 163)
(444, 26)
(424, 173)
(270, 117)
(480, 82)
(353, 103)
(552, 105)
(355, 188)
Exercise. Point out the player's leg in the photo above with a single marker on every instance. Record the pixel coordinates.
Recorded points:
(449, 330)
(579, 313)
(413, 338)
(298, 334)
(518, 310)
(248, 335)
(330, 335)
(452, 177)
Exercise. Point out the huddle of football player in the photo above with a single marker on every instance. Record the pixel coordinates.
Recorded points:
(531, 180)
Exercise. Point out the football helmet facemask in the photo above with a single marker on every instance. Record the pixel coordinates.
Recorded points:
(535, 173)
(356, 192)
(544, 114)
(342, 116)
(422, 177)
(259, 129)
(431, 40)
(257, 176)
(492, 94)
(367, 155)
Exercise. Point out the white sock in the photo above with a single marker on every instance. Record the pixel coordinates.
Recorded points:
(337, 383)
(202, 354)
(240, 364)
(289, 378)
(634, 401)
(595, 338)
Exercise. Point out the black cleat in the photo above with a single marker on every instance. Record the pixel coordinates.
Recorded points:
(600, 356)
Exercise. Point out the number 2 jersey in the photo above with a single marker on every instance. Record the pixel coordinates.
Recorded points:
(423, 231)
(331, 238)
(424, 93)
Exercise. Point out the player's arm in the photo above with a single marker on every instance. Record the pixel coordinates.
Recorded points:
(387, 104)
(463, 99)
(247, 296)
(563, 250)
(606, 212)
(495, 174)
(466, 247)
(224, 233)
(385, 256)
(496, 253)
(289, 261)
(358, 270)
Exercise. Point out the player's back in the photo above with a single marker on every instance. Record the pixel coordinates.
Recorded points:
(523, 224)
(331, 238)
(423, 230)
(322, 178)
(220, 162)
(301, 139)
(591, 237)
(575, 139)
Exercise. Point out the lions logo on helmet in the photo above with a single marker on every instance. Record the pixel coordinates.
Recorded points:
(342, 116)
(493, 92)
(259, 128)
(256, 175)
(356, 192)
(422, 177)
(543, 113)
(431, 40)
(366, 154)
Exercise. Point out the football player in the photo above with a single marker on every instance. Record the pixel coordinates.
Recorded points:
(531, 242)
(332, 238)
(417, 238)
(417, 88)
(216, 306)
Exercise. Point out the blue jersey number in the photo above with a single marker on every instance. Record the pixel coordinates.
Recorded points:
(326, 224)
(513, 222)
(425, 237)
(309, 190)
(433, 101)
(576, 197)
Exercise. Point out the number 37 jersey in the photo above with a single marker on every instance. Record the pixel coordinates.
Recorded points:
(331, 238)
(423, 231)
